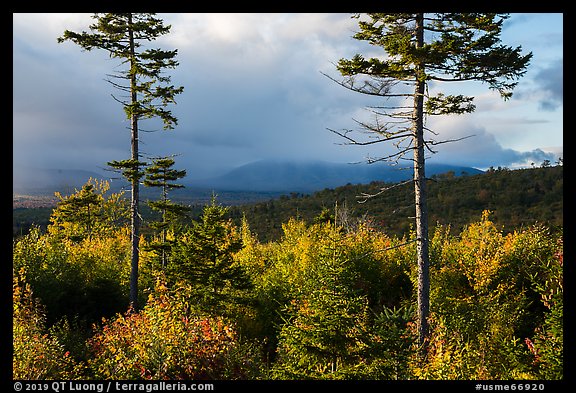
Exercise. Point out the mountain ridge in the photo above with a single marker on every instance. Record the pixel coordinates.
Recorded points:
(258, 176)
(310, 176)
(514, 198)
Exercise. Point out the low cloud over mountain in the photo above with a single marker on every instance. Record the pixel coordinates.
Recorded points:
(309, 176)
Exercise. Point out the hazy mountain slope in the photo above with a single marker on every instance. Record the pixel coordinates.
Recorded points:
(259, 176)
(309, 176)
(46, 181)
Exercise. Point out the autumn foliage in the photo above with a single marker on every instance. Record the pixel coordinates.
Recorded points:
(37, 354)
(169, 339)
(323, 302)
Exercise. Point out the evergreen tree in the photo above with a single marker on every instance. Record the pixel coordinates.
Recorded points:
(80, 208)
(87, 211)
(421, 48)
(325, 337)
(161, 174)
(149, 91)
(203, 257)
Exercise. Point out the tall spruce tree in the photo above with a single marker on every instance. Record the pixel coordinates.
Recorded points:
(148, 89)
(419, 49)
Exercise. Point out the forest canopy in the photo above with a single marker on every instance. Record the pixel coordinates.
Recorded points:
(323, 301)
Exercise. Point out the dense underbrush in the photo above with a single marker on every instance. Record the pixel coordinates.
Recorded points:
(323, 302)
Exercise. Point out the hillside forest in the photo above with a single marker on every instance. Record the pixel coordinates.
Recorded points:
(324, 299)
(516, 197)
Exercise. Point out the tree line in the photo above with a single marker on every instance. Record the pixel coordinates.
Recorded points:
(517, 198)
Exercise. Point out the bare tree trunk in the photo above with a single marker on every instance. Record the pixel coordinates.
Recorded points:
(420, 200)
(135, 233)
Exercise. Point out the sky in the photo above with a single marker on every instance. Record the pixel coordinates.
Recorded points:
(255, 87)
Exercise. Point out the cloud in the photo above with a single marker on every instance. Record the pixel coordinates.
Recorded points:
(551, 82)
(546, 87)
(253, 89)
(477, 147)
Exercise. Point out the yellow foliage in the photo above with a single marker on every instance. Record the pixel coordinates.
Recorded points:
(36, 354)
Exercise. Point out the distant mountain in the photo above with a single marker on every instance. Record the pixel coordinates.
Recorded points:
(260, 176)
(310, 176)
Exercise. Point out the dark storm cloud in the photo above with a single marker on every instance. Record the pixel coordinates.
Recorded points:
(551, 81)
(220, 138)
